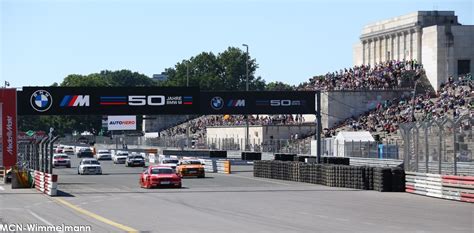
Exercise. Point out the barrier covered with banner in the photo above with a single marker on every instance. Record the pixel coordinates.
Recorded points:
(8, 125)
(159, 101)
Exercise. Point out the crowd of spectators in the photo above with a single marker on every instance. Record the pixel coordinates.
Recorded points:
(385, 75)
(453, 98)
(197, 126)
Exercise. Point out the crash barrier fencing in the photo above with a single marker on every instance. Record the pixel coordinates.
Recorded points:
(250, 156)
(223, 166)
(463, 168)
(46, 183)
(447, 143)
(358, 148)
(375, 162)
(197, 153)
(3, 174)
(459, 188)
(364, 177)
(219, 166)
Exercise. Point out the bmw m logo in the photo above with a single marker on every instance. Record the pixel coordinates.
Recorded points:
(217, 103)
(41, 100)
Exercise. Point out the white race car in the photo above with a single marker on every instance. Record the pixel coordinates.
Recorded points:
(170, 162)
(89, 166)
(120, 156)
(103, 155)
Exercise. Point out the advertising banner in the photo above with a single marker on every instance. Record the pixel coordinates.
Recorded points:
(122, 123)
(8, 123)
(160, 101)
(258, 102)
(107, 101)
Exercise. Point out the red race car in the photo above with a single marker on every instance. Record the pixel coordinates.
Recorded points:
(159, 176)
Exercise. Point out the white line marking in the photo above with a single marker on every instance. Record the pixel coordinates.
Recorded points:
(42, 219)
(261, 179)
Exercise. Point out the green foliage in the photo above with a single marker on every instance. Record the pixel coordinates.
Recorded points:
(106, 78)
(279, 86)
(226, 71)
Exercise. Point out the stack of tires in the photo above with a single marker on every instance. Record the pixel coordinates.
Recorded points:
(285, 157)
(336, 160)
(383, 179)
(251, 156)
(398, 179)
(368, 178)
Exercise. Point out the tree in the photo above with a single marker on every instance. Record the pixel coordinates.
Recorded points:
(226, 71)
(279, 86)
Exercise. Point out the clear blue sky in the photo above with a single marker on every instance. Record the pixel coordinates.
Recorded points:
(42, 41)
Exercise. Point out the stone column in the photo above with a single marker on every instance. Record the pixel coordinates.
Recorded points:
(363, 51)
(405, 45)
(375, 51)
(381, 52)
(398, 46)
(387, 48)
(418, 42)
(369, 43)
(411, 45)
(392, 46)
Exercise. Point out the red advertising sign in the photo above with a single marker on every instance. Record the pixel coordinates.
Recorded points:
(8, 125)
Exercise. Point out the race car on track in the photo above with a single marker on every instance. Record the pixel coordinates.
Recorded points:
(120, 156)
(61, 160)
(89, 166)
(169, 162)
(190, 167)
(103, 155)
(159, 176)
(135, 160)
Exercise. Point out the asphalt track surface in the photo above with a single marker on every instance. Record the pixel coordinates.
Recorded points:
(238, 202)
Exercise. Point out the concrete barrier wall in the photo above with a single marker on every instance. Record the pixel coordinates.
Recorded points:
(46, 183)
(459, 188)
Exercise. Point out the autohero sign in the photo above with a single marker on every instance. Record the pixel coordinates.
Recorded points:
(261, 102)
(107, 101)
(122, 123)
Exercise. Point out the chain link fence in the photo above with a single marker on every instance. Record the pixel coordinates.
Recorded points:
(440, 146)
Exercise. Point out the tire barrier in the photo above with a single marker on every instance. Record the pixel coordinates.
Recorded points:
(306, 159)
(46, 183)
(218, 154)
(335, 160)
(285, 157)
(251, 156)
(223, 166)
(388, 179)
(197, 153)
(333, 175)
(459, 188)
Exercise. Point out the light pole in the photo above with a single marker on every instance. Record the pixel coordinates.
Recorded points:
(246, 89)
(187, 116)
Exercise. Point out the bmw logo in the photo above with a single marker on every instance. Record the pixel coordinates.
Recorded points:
(217, 103)
(41, 100)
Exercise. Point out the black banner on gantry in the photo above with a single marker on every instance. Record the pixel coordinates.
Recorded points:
(107, 101)
(258, 102)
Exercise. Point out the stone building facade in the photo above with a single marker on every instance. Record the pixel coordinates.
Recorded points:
(434, 38)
